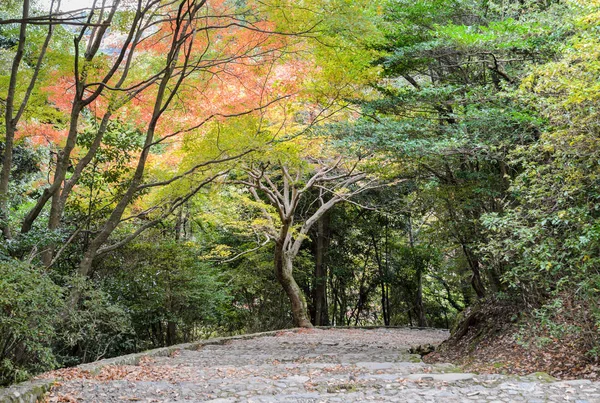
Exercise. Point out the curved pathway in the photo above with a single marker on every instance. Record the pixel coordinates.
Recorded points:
(312, 366)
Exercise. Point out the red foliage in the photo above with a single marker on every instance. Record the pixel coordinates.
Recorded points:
(40, 133)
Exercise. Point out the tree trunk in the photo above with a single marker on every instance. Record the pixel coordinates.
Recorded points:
(10, 126)
(335, 304)
(320, 281)
(382, 280)
(419, 303)
(179, 225)
(283, 271)
(419, 307)
(171, 333)
(476, 281)
(386, 287)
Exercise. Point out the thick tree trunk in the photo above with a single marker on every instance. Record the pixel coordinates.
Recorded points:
(284, 273)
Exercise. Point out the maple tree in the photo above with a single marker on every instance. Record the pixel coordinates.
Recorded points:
(177, 40)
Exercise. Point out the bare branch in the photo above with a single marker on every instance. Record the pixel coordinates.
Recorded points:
(260, 246)
(194, 169)
(177, 203)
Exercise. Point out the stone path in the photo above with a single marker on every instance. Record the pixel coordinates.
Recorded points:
(314, 366)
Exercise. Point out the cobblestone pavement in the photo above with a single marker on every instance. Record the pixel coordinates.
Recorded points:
(314, 366)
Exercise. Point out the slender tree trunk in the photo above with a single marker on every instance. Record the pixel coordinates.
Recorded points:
(419, 304)
(386, 316)
(334, 311)
(171, 333)
(179, 225)
(4, 181)
(10, 125)
(386, 295)
(388, 305)
(320, 280)
(419, 307)
(171, 324)
(382, 281)
(284, 273)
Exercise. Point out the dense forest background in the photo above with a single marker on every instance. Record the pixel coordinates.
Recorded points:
(179, 169)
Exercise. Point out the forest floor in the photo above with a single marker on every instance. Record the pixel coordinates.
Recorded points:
(503, 354)
(492, 339)
(350, 365)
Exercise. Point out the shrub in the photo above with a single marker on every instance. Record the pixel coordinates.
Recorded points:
(98, 328)
(170, 295)
(30, 304)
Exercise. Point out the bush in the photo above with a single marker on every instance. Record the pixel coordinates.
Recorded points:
(169, 294)
(98, 328)
(30, 304)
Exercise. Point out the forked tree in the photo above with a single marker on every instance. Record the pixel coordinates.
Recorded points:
(320, 183)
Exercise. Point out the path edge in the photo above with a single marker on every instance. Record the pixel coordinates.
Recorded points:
(34, 390)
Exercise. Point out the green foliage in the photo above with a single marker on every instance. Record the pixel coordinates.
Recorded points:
(120, 143)
(449, 113)
(97, 328)
(258, 300)
(108, 174)
(548, 238)
(550, 234)
(166, 283)
(30, 306)
(25, 171)
(375, 252)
